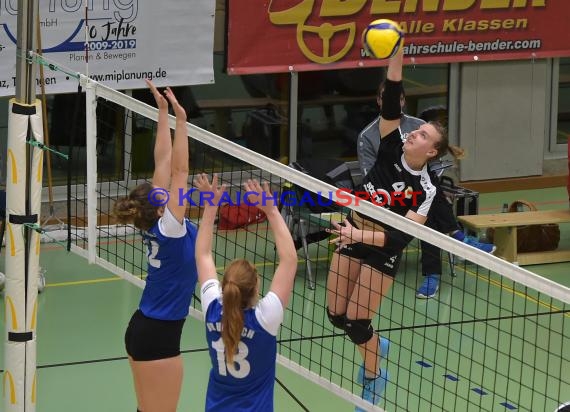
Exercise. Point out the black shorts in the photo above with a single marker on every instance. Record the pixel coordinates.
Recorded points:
(375, 257)
(149, 339)
(385, 260)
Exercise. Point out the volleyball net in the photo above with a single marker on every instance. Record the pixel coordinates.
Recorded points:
(496, 336)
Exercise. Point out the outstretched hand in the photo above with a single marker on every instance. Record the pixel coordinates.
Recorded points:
(260, 197)
(158, 97)
(204, 186)
(347, 234)
(178, 109)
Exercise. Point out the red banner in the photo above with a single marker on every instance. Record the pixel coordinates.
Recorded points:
(268, 36)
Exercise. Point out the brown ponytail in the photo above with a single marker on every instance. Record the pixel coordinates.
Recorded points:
(239, 290)
(136, 208)
(125, 209)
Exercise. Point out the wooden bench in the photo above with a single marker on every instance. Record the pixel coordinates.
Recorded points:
(505, 225)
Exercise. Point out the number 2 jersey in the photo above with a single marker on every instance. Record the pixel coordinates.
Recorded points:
(247, 383)
(172, 273)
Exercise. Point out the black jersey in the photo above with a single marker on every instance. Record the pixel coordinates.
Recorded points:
(391, 183)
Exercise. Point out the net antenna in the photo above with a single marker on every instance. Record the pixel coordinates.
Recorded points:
(87, 38)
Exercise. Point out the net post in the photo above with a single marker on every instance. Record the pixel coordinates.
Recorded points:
(91, 153)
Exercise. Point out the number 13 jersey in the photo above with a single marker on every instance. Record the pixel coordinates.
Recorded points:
(247, 383)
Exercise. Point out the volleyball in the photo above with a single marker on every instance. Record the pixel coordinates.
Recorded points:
(382, 38)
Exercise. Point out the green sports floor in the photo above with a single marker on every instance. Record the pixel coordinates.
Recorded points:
(84, 310)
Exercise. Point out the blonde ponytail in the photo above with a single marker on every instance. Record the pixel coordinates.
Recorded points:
(232, 319)
(239, 289)
(443, 147)
(457, 152)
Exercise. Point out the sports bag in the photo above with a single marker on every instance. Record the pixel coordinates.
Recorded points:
(531, 238)
(238, 216)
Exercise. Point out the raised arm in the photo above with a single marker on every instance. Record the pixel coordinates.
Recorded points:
(180, 159)
(204, 259)
(163, 143)
(391, 108)
(284, 278)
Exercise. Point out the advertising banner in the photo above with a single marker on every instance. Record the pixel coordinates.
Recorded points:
(285, 35)
(168, 41)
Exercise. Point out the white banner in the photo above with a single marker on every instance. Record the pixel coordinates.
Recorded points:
(169, 41)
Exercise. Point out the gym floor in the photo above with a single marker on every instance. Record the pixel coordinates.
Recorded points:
(84, 310)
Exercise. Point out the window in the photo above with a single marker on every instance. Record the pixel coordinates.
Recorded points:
(66, 126)
(251, 110)
(334, 106)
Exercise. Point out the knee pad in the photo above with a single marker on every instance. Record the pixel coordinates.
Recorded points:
(359, 330)
(338, 321)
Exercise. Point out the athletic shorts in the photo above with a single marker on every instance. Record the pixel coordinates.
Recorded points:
(149, 339)
(384, 260)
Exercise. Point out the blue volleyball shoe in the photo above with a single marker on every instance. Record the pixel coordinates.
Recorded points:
(372, 389)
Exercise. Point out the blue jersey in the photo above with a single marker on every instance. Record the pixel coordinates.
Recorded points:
(247, 384)
(172, 273)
